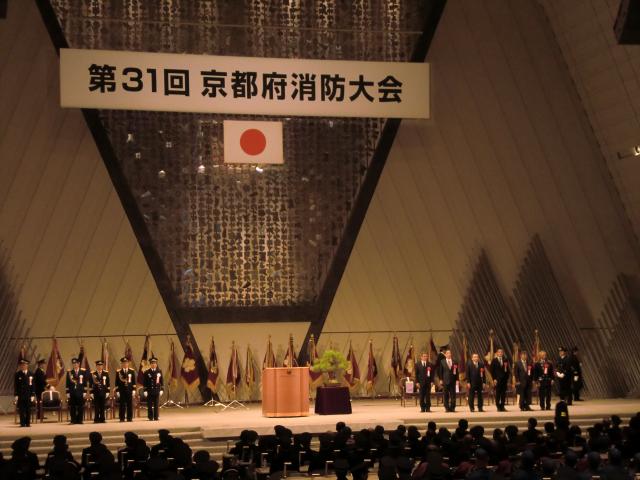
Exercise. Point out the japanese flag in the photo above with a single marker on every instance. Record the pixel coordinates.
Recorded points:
(253, 142)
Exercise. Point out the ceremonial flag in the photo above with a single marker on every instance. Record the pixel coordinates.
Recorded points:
(214, 372)
(55, 365)
(128, 353)
(352, 374)
(233, 372)
(290, 359)
(536, 347)
(489, 358)
(516, 357)
(315, 378)
(409, 369)
(22, 354)
(433, 351)
(172, 369)
(249, 370)
(396, 359)
(105, 354)
(188, 371)
(83, 361)
(269, 360)
(144, 361)
(372, 369)
(464, 358)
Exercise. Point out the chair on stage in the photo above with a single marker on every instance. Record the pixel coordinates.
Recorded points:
(32, 413)
(409, 389)
(141, 403)
(50, 401)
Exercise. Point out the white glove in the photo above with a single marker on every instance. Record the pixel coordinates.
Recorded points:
(575, 379)
(161, 392)
(133, 394)
(145, 394)
(33, 399)
(15, 399)
(560, 375)
(68, 396)
(117, 394)
(91, 396)
(84, 395)
(106, 396)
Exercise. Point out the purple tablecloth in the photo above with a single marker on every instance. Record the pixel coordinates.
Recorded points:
(333, 401)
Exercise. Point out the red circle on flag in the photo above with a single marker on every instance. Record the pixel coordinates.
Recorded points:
(253, 141)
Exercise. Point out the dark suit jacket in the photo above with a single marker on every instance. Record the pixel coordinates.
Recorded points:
(501, 373)
(449, 376)
(426, 374)
(39, 381)
(153, 382)
(524, 374)
(476, 376)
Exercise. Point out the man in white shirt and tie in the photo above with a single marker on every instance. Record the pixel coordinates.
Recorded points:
(449, 380)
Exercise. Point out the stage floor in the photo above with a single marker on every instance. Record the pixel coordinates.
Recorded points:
(216, 424)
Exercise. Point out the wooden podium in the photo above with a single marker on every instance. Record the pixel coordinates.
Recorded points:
(285, 392)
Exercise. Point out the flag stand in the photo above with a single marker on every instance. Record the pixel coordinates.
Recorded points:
(215, 403)
(170, 403)
(233, 404)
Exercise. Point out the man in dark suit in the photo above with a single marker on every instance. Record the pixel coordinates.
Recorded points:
(477, 378)
(100, 388)
(153, 388)
(77, 381)
(40, 385)
(500, 371)
(543, 374)
(524, 381)
(449, 380)
(125, 389)
(424, 376)
(578, 381)
(564, 373)
(24, 392)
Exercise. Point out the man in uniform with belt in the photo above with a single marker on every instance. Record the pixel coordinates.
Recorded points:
(153, 388)
(77, 381)
(24, 392)
(564, 374)
(100, 388)
(125, 389)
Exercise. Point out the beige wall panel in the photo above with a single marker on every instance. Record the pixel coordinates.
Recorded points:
(507, 153)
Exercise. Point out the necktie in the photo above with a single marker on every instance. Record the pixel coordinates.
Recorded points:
(424, 364)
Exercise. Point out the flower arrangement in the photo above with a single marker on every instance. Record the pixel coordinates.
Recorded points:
(331, 362)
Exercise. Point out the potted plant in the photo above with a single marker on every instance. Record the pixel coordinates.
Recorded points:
(330, 362)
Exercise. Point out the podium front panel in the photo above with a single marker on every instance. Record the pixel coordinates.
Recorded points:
(285, 392)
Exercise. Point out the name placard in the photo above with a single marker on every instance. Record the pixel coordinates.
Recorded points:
(242, 85)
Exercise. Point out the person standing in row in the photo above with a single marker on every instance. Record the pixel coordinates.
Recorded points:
(77, 380)
(153, 388)
(40, 385)
(543, 374)
(424, 376)
(524, 381)
(125, 389)
(100, 388)
(500, 371)
(476, 378)
(564, 374)
(578, 381)
(449, 380)
(24, 392)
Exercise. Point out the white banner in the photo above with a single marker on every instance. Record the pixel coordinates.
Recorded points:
(242, 85)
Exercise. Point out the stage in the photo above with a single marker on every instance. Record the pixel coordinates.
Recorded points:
(212, 423)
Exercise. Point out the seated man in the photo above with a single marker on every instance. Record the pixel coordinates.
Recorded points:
(96, 458)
